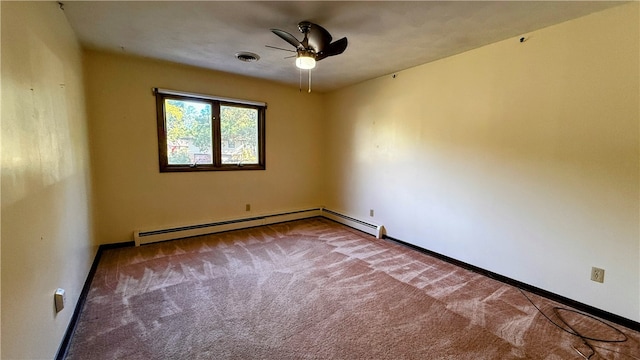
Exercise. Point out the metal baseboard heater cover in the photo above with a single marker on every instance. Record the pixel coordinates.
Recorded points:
(365, 226)
(179, 232)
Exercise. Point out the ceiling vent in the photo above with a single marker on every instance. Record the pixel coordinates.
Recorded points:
(247, 57)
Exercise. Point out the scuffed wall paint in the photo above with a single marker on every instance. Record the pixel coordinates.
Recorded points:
(46, 185)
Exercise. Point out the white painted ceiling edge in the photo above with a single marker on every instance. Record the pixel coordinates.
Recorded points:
(384, 36)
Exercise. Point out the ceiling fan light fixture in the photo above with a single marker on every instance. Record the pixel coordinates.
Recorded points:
(305, 61)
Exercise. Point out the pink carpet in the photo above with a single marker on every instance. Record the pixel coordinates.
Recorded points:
(314, 289)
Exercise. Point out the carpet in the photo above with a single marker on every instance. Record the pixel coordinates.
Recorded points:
(315, 289)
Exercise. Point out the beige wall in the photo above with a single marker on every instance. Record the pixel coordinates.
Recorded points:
(519, 158)
(131, 194)
(46, 227)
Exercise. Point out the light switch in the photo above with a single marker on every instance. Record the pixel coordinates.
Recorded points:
(59, 298)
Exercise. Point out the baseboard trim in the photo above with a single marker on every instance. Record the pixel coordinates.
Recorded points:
(605, 315)
(71, 328)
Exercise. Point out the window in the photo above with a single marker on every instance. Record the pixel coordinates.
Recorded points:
(204, 133)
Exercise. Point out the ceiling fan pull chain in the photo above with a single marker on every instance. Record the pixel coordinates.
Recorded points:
(309, 80)
(300, 80)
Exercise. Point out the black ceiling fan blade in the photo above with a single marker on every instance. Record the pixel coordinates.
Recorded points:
(318, 38)
(288, 38)
(335, 48)
(279, 48)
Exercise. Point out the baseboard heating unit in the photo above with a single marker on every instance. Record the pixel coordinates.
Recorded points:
(179, 232)
(370, 228)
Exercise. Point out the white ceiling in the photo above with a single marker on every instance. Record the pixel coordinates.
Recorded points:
(384, 36)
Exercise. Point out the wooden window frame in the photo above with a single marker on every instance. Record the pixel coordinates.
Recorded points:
(216, 146)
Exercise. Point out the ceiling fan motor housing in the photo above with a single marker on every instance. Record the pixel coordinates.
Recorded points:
(304, 26)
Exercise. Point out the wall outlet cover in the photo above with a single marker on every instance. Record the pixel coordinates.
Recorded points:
(597, 274)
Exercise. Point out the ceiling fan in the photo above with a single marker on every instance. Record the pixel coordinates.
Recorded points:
(315, 46)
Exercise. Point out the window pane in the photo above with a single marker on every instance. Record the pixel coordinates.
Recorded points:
(239, 135)
(206, 134)
(188, 125)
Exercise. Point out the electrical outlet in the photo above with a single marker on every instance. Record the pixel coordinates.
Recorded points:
(371, 212)
(247, 207)
(597, 274)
